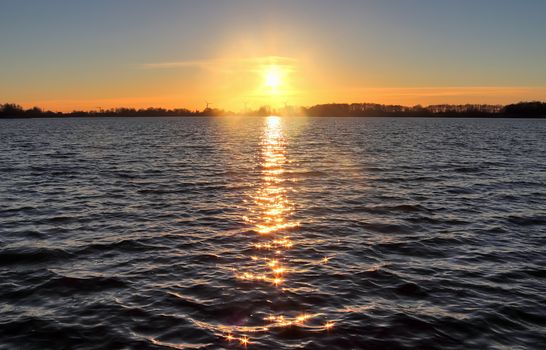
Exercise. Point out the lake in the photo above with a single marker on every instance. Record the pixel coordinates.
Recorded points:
(272, 233)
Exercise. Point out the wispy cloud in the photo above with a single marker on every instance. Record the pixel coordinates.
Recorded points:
(177, 64)
(458, 91)
(222, 63)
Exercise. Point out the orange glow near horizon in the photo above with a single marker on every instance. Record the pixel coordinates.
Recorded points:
(253, 99)
(243, 75)
(240, 80)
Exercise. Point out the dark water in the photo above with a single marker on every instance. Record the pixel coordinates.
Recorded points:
(299, 233)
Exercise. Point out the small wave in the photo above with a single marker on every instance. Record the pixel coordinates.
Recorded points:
(410, 289)
(386, 228)
(522, 220)
(68, 285)
(19, 210)
(468, 169)
(125, 246)
(27, 255)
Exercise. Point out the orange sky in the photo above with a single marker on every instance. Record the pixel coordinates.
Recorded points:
(236, 83)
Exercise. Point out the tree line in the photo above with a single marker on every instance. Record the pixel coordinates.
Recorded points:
(522, 109)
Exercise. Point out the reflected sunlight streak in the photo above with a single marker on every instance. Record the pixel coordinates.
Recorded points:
(271, 219)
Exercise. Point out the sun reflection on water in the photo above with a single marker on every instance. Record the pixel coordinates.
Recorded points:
(272, 210)
(271, 217)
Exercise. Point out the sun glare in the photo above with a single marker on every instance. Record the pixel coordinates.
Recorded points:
(273, 77)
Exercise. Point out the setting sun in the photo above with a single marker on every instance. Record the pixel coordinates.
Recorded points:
(273, 79)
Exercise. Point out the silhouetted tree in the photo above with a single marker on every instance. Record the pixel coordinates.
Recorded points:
(11, 110)
(522, 109)
(525, 109)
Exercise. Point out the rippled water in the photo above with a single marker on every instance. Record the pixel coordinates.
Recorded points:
(272, 233)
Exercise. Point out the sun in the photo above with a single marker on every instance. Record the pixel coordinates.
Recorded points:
(273, 79)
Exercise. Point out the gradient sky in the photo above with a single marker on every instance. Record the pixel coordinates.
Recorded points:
(77, 54)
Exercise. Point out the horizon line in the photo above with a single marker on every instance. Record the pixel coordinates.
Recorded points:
(292, 108)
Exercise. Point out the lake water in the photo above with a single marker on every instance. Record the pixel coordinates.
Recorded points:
(272, 233)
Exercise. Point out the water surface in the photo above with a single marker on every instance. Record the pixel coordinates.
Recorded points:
(272, 233)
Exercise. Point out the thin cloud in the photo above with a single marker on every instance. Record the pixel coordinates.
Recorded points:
(221, 63)
(451, 90)
(177, 64)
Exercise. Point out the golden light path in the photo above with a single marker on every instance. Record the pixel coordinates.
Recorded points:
(271, 219)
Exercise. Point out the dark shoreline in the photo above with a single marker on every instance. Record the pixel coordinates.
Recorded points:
(534, 109)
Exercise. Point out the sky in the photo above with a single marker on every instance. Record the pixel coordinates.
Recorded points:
(238, 54)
